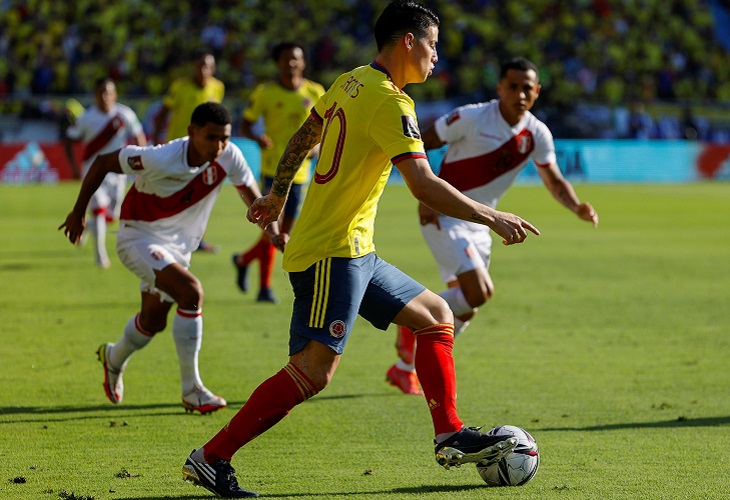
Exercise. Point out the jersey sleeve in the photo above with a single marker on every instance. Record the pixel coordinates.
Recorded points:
(455, 125)
(135, 127)
(544, 153)
(240, 174)
(253, 110)
(136, 160)
(395, 129)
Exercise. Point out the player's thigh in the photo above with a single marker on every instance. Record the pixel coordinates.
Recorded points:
(389, 292)
(327, 297)
(457, 247)
(146, 257)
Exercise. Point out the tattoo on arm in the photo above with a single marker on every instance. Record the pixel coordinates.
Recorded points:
(296, 150)
(477, 218)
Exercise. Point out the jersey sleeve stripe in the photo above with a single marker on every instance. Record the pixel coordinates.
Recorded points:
(406, 156)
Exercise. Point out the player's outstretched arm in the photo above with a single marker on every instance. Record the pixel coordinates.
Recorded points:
(73, 226)
(562, 190)
(267, 209)
(251, 193)
(446, 199)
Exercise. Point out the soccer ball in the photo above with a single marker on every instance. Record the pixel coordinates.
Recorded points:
(516, 468)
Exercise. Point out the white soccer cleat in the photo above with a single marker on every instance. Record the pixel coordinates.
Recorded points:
(202, 400)
(113, 384)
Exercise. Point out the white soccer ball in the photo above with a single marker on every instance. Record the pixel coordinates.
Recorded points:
(516, 468)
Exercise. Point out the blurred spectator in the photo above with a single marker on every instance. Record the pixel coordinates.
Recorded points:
(588, 50)
(641, 124)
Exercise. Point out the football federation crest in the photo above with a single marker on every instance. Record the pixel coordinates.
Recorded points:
(210, 175)
(338, 329)
(453, 116)
(135, 163)
(524, 143)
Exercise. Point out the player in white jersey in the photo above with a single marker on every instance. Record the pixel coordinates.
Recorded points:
(489, 145)
(163, 218)
(102, 128)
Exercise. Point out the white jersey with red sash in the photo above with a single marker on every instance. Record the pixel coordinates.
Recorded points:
(103, 132)
(170, 200)
(486, 154)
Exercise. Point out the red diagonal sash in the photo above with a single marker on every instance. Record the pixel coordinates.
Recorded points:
(150, 207)
(103, 137)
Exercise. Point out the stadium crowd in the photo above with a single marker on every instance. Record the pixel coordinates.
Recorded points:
(601, 51)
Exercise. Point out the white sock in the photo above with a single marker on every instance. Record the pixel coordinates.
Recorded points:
(459, 326)
(187, 330)
(98, 229)
(454, 296)
(134, 339)
(406, 367)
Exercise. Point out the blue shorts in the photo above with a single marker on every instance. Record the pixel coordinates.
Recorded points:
(291, 209)
(330, 294)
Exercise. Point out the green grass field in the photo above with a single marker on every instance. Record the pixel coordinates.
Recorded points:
(610, 346)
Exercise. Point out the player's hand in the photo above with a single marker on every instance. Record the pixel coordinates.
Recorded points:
(586, 212)
(73, 227)
(427, 215)
(512, 228)
(264, 141)
(280, 240)
(265, 210)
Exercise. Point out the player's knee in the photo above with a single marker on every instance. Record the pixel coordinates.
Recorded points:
(441, 312)
(479, 297)
(191, 297)
(152, 325)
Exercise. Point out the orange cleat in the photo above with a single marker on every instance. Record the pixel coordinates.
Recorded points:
(403, 380)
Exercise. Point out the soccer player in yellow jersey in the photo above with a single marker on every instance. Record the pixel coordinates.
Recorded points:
(284, 104)
(183, 96)
(365, 122)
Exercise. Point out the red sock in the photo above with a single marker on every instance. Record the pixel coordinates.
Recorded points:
(268, 254)
(270, 402)
(255, 252)
(406, 344)
(435, 368)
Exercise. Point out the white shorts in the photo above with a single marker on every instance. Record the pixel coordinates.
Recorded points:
(143, 255)
(458, 247)
(109, 196)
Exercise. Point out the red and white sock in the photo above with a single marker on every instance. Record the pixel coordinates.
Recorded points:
(187, 331)
(133, 339)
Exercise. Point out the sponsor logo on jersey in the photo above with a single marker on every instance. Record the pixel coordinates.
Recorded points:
(135, 163)
(338, 328)
(410, 127)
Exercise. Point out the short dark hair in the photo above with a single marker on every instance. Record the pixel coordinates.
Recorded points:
(518, 63)
(211, 112)
(401, 17)
(102, 81)
(281, 47)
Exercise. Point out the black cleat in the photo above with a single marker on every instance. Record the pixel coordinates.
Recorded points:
(242, 274)
(470, 445)
(218, 478)
(266, 295)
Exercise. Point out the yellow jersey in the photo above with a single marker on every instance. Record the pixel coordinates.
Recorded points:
(183, 96)
(283, 111)
(368, 124)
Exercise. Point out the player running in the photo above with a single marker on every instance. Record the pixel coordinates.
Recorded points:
(163, 218)
(104, 127)
(489, 145)
(365, 121)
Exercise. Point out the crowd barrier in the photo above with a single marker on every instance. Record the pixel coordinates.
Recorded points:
(598, 161)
